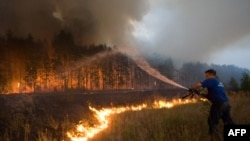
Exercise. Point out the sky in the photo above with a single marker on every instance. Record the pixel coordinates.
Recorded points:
(209, 31)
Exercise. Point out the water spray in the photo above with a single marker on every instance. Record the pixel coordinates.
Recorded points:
(143, 64)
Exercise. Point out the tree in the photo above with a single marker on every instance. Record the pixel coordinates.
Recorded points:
(3, 83)
(233, 85)
(31, 75)
(245, 82)
(192, 72)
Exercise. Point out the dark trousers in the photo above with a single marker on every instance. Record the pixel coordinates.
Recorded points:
(219, 110)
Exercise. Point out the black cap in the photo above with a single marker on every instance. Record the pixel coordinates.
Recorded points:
(211, 71)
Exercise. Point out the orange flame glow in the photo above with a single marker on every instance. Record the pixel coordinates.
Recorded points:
(83, 133)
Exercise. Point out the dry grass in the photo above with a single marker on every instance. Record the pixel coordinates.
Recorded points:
(240, 103)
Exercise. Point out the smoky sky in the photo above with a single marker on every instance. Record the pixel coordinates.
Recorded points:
(190, 30)
(195, 30)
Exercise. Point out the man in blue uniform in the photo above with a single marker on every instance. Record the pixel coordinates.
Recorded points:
(220, 108)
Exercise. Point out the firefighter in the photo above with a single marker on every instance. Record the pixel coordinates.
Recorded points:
(220, 108)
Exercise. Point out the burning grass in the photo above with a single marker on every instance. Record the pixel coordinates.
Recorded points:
(180, 123)
(177, 122)
(51, 117)
(103, 115)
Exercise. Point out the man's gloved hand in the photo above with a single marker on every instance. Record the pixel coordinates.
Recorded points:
(196, 91)
(191, 89)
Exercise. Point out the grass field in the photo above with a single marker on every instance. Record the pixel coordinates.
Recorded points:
(47, 117)
(181, 123)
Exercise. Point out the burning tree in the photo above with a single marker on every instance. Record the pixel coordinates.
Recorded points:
(31, 76)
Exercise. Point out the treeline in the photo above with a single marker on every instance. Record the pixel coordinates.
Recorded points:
(30, 65)
(233, 77)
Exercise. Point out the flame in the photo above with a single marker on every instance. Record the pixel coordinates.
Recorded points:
(83, 133)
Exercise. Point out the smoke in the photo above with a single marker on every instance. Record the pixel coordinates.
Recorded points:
(184, 30)
(27, 16)
(193, 30)
(98, 21)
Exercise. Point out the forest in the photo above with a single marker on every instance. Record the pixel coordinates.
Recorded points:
(29, 65)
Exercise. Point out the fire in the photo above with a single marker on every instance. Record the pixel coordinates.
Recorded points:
(83, 133)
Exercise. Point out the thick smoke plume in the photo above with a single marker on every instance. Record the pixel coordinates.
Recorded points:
(184, 30)
(91, 21)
